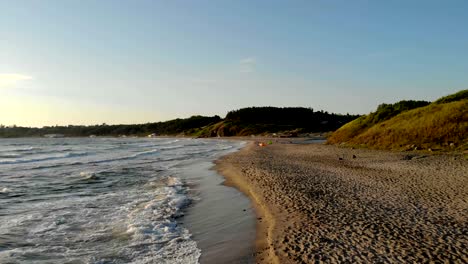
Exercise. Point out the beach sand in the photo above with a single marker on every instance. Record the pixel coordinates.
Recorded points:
(324, 203)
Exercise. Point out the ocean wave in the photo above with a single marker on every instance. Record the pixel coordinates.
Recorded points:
(200, 152)
(41, 167)
(224, 147)
(126, 210)
(133, 156)
(144, 153)
(172, 147)
(9, 152)
(26, 149)
(170, 142)
(162, 239)
(47, 158)
(10, 155)
(5, 190)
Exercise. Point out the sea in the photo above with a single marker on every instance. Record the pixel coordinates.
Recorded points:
(118, 200)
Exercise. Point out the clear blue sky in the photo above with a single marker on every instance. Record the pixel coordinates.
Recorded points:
(88, 62)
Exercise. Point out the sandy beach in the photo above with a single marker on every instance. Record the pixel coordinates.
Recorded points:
(319, 203)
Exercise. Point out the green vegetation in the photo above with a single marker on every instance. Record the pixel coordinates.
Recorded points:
(411, 124)
(242, 122)
(461, 95)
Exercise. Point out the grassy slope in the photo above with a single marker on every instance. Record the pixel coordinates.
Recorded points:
(349, 130)
(384, 112)
(433, 126)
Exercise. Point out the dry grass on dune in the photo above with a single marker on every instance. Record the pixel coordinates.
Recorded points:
(348, 131)
(432, 126)
(440, 125)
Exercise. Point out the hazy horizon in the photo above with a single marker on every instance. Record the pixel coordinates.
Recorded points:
(123, 62)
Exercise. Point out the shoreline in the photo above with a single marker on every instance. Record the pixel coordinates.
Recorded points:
(318, 202)
(265, 221)
(220, 218)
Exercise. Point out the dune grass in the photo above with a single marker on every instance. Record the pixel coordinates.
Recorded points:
(461, 95)
(440, 125)
(363, 123)
(434, 126)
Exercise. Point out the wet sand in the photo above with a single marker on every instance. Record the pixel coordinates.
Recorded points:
(323, 203)
(221, 220)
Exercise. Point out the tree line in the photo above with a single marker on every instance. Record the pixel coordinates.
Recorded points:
(251, 120)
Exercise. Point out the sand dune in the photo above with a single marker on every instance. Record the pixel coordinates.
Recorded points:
(324, 203)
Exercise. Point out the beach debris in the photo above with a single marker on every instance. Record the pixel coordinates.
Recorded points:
(354, 156)
(411, 157)
(262, 144)
(408, 157)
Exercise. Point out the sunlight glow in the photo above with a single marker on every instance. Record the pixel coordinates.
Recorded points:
(10, 79)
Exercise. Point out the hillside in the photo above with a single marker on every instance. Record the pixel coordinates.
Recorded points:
(442, 124)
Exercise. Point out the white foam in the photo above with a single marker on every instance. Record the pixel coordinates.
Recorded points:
(24, 149)
(148, 152)
(170, 142)
(5, 190)
(88, 175)
(173, 181)
(161, 240)
(46, 158)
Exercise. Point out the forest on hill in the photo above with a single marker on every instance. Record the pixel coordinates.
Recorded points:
(288, 121)
(242, 122)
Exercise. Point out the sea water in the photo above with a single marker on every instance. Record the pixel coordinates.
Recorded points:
(99, 200)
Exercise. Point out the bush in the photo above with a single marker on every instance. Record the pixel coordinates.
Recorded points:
(461, 95)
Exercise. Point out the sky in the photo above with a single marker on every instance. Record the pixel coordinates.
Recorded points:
(88, 62)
